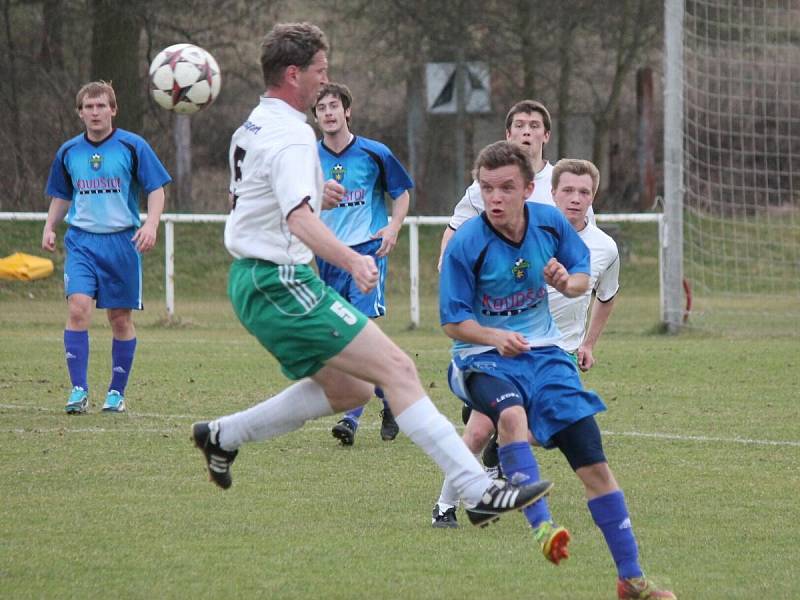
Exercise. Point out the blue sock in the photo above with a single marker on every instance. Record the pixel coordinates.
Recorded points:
(122, 352)
(519, 466)
(610, 514)
(76, 349)
(354, 415)
(379, 393)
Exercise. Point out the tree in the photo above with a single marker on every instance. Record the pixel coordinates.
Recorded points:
(627, 30)
(116, 57)
(51, 56)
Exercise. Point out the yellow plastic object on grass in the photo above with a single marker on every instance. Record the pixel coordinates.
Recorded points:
(25, 267)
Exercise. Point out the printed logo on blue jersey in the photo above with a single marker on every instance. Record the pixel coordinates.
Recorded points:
(96, 161)
(337, 172)
(512, 304)
(520, 269)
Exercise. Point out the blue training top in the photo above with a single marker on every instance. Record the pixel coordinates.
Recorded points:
(367, 169)
(488, 278)
(102, 180)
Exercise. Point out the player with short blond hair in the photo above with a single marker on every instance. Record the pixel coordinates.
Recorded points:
(94, 184)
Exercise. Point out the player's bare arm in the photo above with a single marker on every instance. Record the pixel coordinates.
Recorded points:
(601, 311)
(332, 194)
(315, 234)
(508, 343)
(557, 276)
(55, 215)
(448, 233)
(145, 237)
(392, 230)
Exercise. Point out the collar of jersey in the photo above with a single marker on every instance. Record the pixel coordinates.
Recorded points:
(283, 106)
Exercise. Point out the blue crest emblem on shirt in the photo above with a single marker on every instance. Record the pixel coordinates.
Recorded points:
(337, 172)
(520, 269)
(96, 160)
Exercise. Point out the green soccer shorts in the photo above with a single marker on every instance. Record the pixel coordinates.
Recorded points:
(301, 321)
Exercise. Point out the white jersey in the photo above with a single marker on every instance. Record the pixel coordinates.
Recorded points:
(471, 204)
(571, 314)
(274, 168)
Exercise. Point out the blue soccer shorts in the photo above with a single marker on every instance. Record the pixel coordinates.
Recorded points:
(546, 379)
(373, 303)
(104, 266)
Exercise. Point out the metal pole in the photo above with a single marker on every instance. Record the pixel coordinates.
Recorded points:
(183, 162)
(413, 267)
(672, 239)
(169, 266)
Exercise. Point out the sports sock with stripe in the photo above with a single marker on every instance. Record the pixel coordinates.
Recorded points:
(122, 353)
(610, 514)
(76, 348)
(520, 467)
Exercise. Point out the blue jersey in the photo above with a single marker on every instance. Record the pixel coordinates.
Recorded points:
(367, 169)
(102, 180)
(498, 283)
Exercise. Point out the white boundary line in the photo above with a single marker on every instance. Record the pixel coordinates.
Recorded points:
(367, 427)
(702, 438)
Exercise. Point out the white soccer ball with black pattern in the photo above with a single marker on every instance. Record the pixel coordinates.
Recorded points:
(184, 78)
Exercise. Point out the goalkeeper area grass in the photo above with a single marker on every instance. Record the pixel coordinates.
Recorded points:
(701, 432)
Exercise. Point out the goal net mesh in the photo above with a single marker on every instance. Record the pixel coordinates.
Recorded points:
(741, 65)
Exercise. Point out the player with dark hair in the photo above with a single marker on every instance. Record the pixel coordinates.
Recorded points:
(336, 355)
(528, 125)
(94, 183)
(507, 364)
(365, 171)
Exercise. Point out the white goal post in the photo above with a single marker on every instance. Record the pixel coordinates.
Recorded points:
(413, 224)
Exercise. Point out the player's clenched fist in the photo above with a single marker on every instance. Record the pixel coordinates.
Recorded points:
(365, 272)
(49, 240)
(332, 194)
(556, 275)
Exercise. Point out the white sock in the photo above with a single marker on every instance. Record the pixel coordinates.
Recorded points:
(429, 430)
(285, 412)
(448, 497)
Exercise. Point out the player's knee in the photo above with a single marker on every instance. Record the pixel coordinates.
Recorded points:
(121, 322)
(116, 315)
(80, 312)
(348, 394)
(476, 435)
(512, 425)
(582, 445)
(398, 366)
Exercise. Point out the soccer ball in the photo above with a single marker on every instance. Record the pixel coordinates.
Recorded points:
(184, 78)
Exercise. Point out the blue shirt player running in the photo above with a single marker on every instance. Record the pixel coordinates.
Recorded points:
(506, 364)
(94, 183)
(360, 173)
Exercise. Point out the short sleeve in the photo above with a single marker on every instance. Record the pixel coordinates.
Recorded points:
(456, 283)
(151, 173)
(397, 178)
(470, 205)
(571, 251)
(607, 284)
(59, 184)
(294, 176)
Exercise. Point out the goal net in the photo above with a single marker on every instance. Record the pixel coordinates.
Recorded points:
(741, 160)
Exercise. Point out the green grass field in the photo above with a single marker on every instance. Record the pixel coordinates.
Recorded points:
(701, 432)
